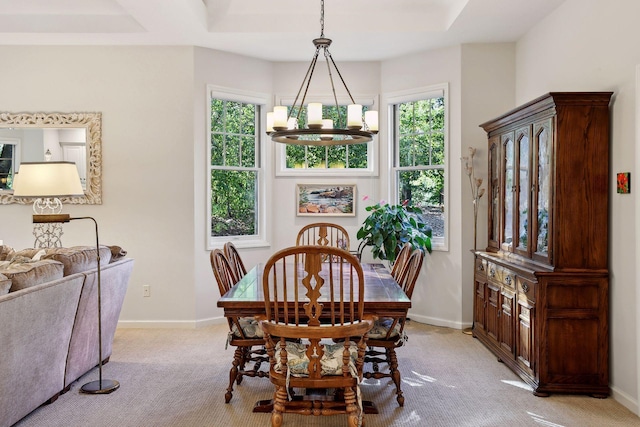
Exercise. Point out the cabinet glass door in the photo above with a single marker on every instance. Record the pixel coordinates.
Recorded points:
(509, 192)
(494, 193)
(542, 132)
(522, 136)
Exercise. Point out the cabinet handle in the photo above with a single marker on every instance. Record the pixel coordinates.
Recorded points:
(492, 272)
(508, 280)
(525, 288)
(499, 313)
(480, 267)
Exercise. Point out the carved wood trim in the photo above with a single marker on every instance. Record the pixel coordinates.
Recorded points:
(93, 124)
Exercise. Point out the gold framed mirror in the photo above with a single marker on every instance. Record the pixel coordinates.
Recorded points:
(37, 137)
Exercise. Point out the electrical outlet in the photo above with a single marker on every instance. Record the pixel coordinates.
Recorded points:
(146, 291)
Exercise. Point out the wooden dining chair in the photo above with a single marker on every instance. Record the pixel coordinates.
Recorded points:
(244, 332)
(235, 260)
(310, 304)
(388, 333)
(401, 260)
(324, 234)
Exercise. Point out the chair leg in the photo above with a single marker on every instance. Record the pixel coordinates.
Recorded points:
(243, 361)
(233, 373)
(395, 374)
(353, 411)
(279, 399)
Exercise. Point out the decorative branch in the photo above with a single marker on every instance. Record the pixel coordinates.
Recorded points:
(476, 190)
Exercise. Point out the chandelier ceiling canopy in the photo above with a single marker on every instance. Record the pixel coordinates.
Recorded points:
(350, 128)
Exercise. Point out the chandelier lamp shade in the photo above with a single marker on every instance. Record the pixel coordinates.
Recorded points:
(352, 128)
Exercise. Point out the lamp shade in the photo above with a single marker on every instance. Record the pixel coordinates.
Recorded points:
(47, 179)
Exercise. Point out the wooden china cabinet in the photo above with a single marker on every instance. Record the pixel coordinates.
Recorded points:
(541, 291)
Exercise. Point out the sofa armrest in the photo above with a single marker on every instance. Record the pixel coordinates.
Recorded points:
(36, 324)
(83, 347)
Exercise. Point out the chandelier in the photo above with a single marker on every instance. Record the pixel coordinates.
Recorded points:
(282, 126)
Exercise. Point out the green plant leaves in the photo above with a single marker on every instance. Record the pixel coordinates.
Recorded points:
(389, 227)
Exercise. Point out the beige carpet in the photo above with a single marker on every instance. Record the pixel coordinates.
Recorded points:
(177, 378)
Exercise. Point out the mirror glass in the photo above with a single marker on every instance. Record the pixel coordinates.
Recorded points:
(73, 137)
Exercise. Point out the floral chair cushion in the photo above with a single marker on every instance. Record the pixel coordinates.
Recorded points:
(250, 328)
(331, 361)
(381, 327)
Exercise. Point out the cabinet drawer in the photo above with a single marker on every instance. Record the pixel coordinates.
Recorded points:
(527, 288)
(501, 275)
(494, 272)
(481, 268)
(509, 278)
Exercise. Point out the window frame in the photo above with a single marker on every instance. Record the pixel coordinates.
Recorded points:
(260, 239)
(371, 101)
(16, 160)
(417, 94)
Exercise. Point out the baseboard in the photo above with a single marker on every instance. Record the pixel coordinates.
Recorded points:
(439, 322)
(625, 400)
(171, 324)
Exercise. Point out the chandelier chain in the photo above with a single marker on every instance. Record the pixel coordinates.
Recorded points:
(321, 18)
(317, 134)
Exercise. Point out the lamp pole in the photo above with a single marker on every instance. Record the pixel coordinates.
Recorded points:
(101, 386)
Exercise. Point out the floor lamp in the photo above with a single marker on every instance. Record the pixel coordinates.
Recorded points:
(54, 180)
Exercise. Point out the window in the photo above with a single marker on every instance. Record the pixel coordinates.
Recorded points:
(338, 160)
(235, 176)
(420, 155)
(8, 154)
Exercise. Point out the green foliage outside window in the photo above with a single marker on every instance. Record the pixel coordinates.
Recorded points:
(421, 157)
(234, 174)
(331, 157)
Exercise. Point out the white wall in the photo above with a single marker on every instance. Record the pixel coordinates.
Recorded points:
(591, 45)
(488, 90)
(437, 297)
(234, 72)
(145, 95)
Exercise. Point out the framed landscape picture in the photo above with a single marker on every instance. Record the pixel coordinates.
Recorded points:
(326, 200)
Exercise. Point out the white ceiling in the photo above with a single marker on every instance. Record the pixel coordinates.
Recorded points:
(277, 30)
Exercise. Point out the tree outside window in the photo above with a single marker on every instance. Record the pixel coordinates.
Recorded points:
(234, 168)
(353, 156)
(419, 139)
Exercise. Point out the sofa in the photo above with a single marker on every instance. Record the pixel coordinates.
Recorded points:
(49, 320)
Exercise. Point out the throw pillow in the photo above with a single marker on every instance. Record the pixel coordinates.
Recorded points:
(5, 284)
(6, 252)
(24, 275)
(25, 253)
(117, 252)
(78, 259)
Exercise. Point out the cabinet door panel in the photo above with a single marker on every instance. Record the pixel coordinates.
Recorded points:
(509, 191)
(542, 190)
(494, 185)
(525, 349)
(493, 306)
(480, 306)
(507, 333)
(523, 191)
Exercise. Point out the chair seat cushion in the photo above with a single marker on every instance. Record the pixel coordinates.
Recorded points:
(250, 328)
(331, 361)
(381, 328)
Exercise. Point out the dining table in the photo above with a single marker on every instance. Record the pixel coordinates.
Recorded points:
(383, 297)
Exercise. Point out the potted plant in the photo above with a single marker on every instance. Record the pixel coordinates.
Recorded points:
(389, 227)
